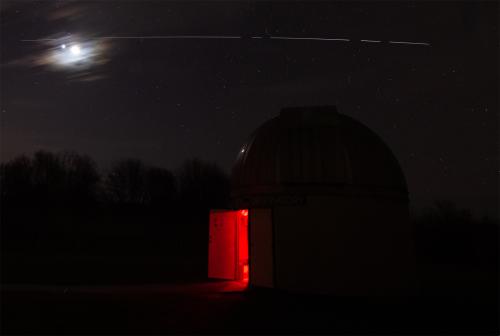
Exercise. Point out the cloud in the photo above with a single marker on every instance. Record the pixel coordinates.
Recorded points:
(50, 55)
(67, 11)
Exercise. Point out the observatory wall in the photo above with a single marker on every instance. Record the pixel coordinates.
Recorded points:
(344, 246)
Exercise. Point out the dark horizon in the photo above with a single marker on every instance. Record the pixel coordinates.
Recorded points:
(417, 206)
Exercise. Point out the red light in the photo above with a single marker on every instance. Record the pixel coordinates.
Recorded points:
(228, 245)
(245, 273)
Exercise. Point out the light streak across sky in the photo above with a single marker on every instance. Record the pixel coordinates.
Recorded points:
(78, 53)
(209, 37)
(403, 42)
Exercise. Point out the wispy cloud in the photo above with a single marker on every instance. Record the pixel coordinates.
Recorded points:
(83, 64)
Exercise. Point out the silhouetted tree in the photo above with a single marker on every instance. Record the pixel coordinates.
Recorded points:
(48, 176)
(65, 178)
(126, 182)
(448, 234)
(16, 183)
(160, 222)
(81, 178)
(160, 186)
(203, 185)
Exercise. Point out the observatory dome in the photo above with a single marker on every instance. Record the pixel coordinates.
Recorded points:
(308, 150)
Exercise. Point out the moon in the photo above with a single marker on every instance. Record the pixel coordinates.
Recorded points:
(75, 55)
(75, 49)
(80, 56)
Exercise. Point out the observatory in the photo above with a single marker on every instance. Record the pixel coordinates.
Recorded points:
(320, 205)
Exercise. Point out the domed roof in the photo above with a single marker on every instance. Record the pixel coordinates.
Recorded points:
(315, 149)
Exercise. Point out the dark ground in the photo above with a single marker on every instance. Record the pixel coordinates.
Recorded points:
(125, 273)
(220, 307)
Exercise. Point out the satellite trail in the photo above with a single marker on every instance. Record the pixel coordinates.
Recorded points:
(308, 38)
(402, 42)
(212, 37)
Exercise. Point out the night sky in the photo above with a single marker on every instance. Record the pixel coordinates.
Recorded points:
(167, 100)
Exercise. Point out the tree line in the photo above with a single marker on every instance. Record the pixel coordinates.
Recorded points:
(61, 204)
(70, 179)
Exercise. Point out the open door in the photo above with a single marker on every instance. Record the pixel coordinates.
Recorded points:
(228, 245)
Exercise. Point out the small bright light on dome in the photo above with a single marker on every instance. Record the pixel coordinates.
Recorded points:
(75, 50)
(63, 46)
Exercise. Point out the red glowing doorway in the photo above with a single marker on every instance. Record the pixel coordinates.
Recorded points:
(228, 245)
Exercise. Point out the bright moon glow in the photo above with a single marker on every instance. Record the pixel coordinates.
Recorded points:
(76, 55)
(75, 50)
